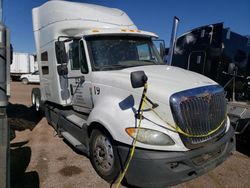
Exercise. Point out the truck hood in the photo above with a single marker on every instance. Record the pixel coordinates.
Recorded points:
(24, 75)
(163, 80)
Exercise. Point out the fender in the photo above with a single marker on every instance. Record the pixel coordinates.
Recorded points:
(115, 114)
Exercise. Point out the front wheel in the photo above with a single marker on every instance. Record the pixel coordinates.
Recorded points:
(103, 155)
(25, 81)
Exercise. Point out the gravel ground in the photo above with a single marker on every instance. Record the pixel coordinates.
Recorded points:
(39, 158)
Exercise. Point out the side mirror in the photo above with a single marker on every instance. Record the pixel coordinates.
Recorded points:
(62, 70)
(162, 50)
(160, 45)
(61, 54)
(138, 79)
(166, 57)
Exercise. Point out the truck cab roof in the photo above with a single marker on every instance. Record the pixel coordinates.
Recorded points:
(63, 18)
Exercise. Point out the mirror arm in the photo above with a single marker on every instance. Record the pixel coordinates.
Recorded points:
(138, 114)
(154, 105)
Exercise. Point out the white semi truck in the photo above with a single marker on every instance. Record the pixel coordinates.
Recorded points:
(93, 64)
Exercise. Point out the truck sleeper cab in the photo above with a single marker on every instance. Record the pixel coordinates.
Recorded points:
(85, 73)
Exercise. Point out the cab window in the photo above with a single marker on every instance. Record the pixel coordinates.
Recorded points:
(83, 60)
(74, 55)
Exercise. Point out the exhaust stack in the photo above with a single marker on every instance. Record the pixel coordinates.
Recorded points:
(172, 40)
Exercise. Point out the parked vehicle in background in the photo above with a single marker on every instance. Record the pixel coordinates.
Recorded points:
(23, 63)
(223, 56)
(30, 78)
(94, 64)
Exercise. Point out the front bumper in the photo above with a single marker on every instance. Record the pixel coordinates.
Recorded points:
(150, 168)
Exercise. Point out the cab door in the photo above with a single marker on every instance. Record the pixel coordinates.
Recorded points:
(79, 77)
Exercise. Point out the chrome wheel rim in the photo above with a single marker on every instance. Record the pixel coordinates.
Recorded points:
(33, 99)
(103, 154)
(37, 104)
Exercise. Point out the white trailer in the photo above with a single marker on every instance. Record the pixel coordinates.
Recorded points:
(23, 63)
(33, 63)
(94, 63)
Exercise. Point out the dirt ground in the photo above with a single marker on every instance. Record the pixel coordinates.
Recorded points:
(39, 158)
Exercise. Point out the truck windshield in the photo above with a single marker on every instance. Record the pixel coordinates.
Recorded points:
(118, 52)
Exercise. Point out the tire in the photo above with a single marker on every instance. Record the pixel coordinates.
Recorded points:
(37, 104)
(36, 101)
(33, 99)
(104, 156)
(25, 81)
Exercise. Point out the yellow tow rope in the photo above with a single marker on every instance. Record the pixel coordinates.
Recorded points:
(175, 128)
(121, 176)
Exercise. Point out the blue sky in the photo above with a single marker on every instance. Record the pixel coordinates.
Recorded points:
(150, 15)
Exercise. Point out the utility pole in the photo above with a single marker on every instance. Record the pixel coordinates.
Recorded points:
(5, 58)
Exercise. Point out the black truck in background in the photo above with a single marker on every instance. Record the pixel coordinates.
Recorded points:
(223, 56)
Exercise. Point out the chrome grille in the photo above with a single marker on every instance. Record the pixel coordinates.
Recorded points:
(198, 112)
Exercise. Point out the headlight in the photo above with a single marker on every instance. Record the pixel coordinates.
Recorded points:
(148, 136)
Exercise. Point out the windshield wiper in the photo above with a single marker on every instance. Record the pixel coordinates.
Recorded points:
(150, 61)
(112, 67)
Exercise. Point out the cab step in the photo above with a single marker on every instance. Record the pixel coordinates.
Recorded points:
(74, 142)
(76, 120)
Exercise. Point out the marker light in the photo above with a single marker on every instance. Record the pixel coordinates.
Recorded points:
(95, 30)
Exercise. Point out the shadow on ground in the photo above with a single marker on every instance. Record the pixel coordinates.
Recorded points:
(19, 161)
(243, 147)
(21, 117)
(242, 133)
